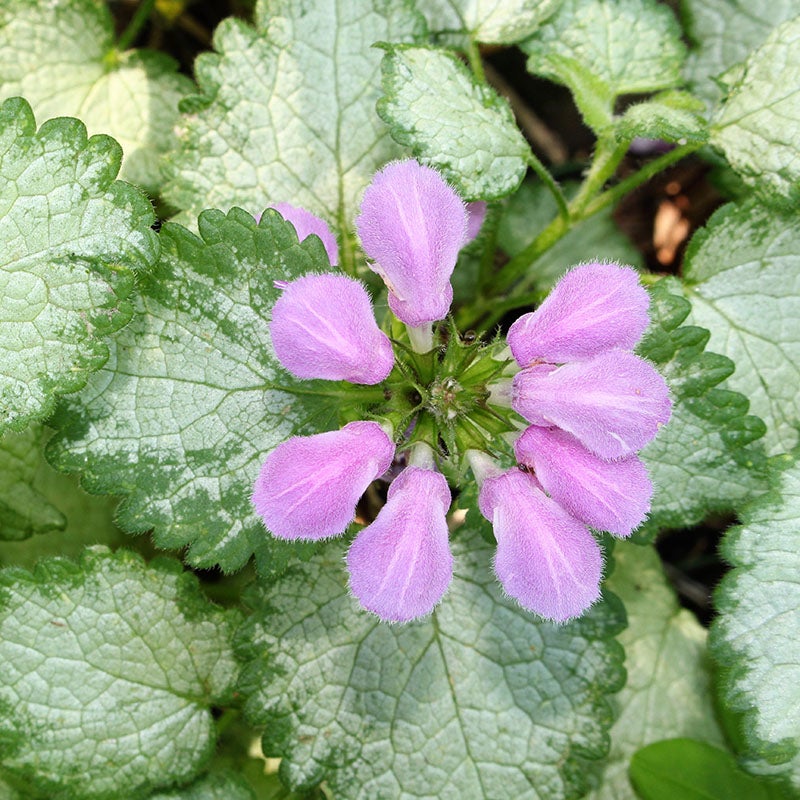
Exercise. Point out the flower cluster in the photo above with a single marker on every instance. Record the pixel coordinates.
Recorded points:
(590, 402)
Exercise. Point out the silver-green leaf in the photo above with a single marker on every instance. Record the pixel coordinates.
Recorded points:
(110, 669)
(433, 105)
(480, 700)
(60, 56)
(70, 238)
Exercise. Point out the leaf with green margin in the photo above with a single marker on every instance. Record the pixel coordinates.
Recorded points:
(708, 458)
(434, 105)
(487, 21)
(223, 785)
(758, 126)
(60, 56)
(71, 236)
(530, 209)
(668, 691)
(23, 510)
(288, 109)
(756, 636)
(723, 33)
(479, 700)
(742, 278)
(705, 773)
(602, 49)
(111, 667)
(670, 116)
(193, 399)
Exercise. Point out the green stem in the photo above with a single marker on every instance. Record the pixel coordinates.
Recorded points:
(607, 155)
(138, 20)
(548, 180)
(475, 62)
(617, 192)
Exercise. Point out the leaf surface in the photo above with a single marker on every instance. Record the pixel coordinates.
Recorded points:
(480, 700)
(433, 105)
(60, 56)
(758, 126)
(186, 410)
(287, 111)
(71, 237)
(708, 458)
(110, 670)
(602, 49)
(742, 278)
(756, 637)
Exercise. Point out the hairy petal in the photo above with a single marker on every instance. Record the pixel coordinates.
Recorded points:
(476, 214)
(611, 496)
(412, 225)
(614, 403)
(305, 223)
(592, 309)
(546, 560)
(400, 565)
(323, 326)
(309, 485)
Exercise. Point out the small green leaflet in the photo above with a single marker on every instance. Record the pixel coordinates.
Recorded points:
(24, 510)
(480, 700)
(288, 109)
(433, 105)
(193, 399)
(758, 126)
(60, 56)
(741, 275)
(668, 691)
(487, 21)
(70, 237)
(707, 458)
(110, 670)
(756, 636)
(693, 770)
(724, 33)
(672, 116)
(602, 49)
(531, 208)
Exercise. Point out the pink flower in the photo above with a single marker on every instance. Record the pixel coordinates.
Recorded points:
(305, 223)
(309, 485)
(400, 565)
(412, 225)
(323, 326)
(546, 560)
(614, 403)
(592, 309)
(611, 496)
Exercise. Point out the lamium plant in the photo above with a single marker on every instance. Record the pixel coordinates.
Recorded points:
(401, 411)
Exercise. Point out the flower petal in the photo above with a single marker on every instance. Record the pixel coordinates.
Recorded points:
(614, 404)
(412, 225)
(305, 223)
(592, 309)
(309, 485)
(611, 496)
(476, 215)
(400, 565)
(546, 560)
(323, 326)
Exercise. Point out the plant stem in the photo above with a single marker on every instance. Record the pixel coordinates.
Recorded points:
(128, 36)
(607, 155)
(548, 180)
(475, 62)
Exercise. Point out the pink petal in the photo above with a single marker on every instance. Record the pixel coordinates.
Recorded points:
(592, 309)
(476, 214)
(611, 496)
(309, 485)
(546, 560)
(323, 326)
(412, 225)
(400, 565)
(305, 223)
(614, 404)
